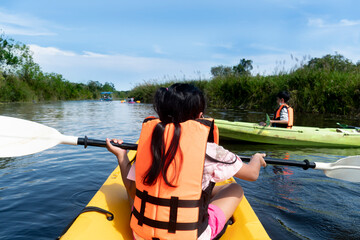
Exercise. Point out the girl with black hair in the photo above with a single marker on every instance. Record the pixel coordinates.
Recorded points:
(178, 163)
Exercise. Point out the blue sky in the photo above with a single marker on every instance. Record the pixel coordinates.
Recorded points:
(129, 42)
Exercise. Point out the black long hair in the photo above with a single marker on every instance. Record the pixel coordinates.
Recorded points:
(174, 105)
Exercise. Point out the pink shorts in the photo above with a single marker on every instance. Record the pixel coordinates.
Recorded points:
(217, 220)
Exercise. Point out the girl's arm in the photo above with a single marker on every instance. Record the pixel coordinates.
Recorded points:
(124, 164)
(279, 121)
(250, 171)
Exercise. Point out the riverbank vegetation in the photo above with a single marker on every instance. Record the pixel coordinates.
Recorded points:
(22, 80)
(330, 84)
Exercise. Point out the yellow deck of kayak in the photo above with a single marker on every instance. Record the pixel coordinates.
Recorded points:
(112, 197)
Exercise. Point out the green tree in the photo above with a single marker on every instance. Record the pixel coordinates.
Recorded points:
(329, 62)
(21, 79)
(8, 57)
(108, 87)
(14, 55)
(220, 71)
(243, 68)
(94, 86)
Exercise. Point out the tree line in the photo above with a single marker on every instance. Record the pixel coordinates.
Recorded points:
(22, 80)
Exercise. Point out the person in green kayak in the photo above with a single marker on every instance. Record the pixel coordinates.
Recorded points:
(178, 163)
(284, 114)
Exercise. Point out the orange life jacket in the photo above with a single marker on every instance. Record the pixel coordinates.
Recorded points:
(180, 212)
(290, 116)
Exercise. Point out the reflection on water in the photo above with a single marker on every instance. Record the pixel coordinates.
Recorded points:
(41, 193)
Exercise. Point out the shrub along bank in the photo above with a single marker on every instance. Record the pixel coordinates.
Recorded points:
(330, 84)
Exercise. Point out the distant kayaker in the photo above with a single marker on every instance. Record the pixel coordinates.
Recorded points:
(178, 163)
(284, 114)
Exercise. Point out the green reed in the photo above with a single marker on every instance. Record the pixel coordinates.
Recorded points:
(316, 90)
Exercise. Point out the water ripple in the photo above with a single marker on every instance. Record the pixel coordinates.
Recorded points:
(41, 193)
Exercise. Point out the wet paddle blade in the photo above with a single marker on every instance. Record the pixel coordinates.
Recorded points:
(347, 126)
(20, 137)
(267, 120)
(347, 169)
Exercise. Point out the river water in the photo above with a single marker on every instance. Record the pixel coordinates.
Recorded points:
(41, 193)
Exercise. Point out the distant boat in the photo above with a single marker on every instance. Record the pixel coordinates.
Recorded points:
(106, 96)
(130, 100)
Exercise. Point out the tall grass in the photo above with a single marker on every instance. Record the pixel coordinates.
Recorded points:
(316, 90)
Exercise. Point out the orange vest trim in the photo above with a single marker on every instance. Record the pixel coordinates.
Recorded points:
(290, 115)
(165, 212)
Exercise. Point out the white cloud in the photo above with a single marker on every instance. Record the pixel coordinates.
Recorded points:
(267, 64)
(220, 45)
(321, 23)
(50, 51)
(264, 47)
(345, 22)
(316, 22)
(158, 49)
(122, 70)
(16, 24)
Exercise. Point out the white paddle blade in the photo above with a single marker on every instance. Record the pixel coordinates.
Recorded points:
(20, 137)
(347, 169)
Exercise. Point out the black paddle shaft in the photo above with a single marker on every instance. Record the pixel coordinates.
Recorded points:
(102, 143)
(276, 161)
(132, 146)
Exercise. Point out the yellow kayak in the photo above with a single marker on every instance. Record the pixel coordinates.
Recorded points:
(112, 197)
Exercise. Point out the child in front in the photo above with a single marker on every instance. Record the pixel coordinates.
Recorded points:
(172, 182)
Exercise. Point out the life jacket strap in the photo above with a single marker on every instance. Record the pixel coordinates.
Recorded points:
(209, 123)
(174, 204)
(165, 201)
(144, 199)
(149, 119)
(165, 225)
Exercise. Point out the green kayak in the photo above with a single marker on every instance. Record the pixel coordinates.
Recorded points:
(296, 136)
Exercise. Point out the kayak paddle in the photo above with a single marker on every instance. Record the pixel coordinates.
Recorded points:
(267, 120)
(347, 126)
(20, 137)
(347, 168)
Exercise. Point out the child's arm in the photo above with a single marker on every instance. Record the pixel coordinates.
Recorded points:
(124, 164)
(250, 171)
(279, 121)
